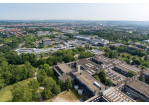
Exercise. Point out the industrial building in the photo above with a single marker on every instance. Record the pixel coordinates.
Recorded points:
(80, 72)
(90, 85)
(114, 95)
(146, 74)
(46, 42)
(138, 89)
(124, 68)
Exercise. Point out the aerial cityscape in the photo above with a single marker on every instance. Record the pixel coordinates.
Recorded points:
(59, 58)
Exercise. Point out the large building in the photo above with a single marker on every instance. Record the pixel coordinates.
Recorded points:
(46, 42)
(90, 85)
(114, 95)
(81, 73)
(138, 89)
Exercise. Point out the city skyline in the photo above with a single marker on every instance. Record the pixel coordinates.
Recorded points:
(75, 11)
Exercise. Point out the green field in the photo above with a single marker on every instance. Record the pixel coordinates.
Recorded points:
(71, 95)
(131, 56)
(5, 93)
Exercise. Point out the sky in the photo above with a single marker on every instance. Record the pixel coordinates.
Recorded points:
(75, 11)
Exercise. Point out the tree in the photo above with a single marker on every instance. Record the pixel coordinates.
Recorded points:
(143, 67)
(34, 86)
(47, 69)
(56, 89)
(41, 75)
(49, 83)
(142, 78)
(138, 62)
(61, 83)
(128, 56)
(96, 77)
(21, 93)
(46, 93)
(90, 48)
(146, 57)
(123, 56)
(102, 75)
(68, 84)
(131, 74)
(119, 54)
(2, 82)
(108, 82)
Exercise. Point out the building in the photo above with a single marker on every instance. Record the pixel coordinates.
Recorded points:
(46, 42)
(145, 41)
(40, 33)
(146, 74)
(114, 95)
(76, 73)
(124, 68)
(72, 41)
(138, 89)
(97, 52)
(61, 37)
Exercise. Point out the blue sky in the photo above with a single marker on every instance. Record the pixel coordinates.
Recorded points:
(75, 11)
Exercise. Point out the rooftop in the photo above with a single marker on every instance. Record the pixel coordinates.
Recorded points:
(127, 68)
(114, 95)
(89, 82)
(64, 67)
(103, 59)
(140, 86)
(88, 64)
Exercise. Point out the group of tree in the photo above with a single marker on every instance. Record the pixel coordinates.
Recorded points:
(10, 74)
(142, 78)
(102, 78)
(130, 74)
(25, 92)
(111, 54)
(65, 55)
(139, 52)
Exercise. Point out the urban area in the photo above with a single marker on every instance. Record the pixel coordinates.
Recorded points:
(74, 61)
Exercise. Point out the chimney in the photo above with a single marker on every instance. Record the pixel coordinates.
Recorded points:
(78, 68)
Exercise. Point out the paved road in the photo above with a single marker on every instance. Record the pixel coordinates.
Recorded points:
(35, 77)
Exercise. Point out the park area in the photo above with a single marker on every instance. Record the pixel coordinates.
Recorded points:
(5, 93)
(66, 96)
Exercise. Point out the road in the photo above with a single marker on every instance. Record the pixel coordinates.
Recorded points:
(35, 77)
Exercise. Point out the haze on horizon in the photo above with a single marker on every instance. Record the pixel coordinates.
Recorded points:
(75, 11)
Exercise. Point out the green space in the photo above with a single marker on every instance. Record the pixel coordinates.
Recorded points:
(71, 95)
(5, 93)
(127, 54)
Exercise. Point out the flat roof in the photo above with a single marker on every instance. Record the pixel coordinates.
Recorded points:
(88, 81)
(88, 64)
(127, 67)
(114, 81)
(139, 86)
(103, 59)
(64, 67)
(146, 72)
(114, 95)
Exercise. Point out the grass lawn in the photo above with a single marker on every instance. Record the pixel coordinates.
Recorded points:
(131, 56)
(5, 93)
(71, 95)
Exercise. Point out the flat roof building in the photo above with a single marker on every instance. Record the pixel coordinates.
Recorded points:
(138, 89)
